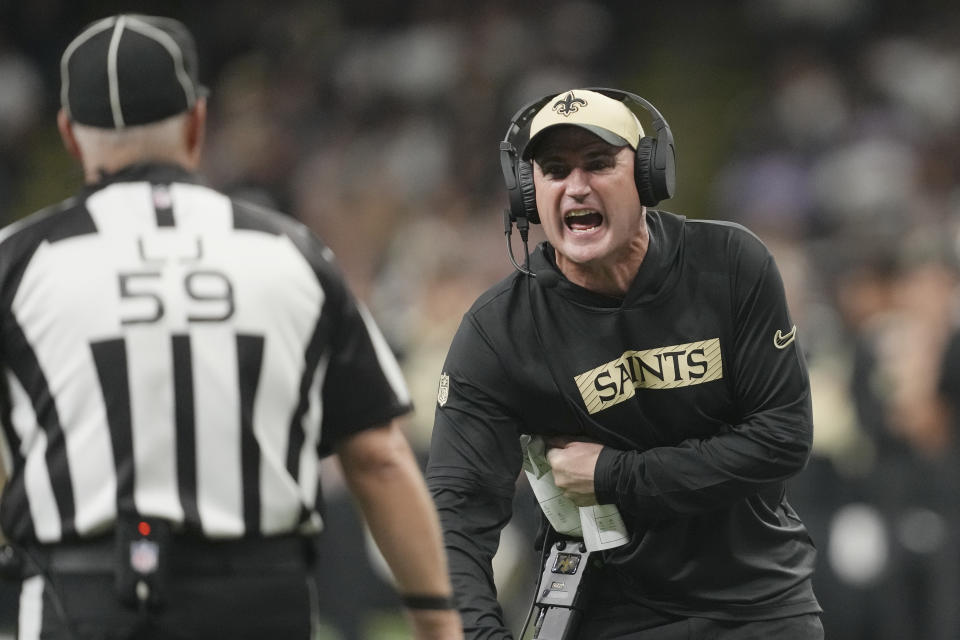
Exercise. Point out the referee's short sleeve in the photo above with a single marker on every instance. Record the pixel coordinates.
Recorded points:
(363, 385)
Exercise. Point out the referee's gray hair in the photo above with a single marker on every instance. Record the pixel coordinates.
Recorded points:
(161, 140)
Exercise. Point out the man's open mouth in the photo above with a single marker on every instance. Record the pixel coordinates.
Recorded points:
(582, 219)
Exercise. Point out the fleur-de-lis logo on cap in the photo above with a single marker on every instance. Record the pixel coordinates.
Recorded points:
(569, 104)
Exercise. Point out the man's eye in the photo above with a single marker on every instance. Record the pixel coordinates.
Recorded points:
(555, 171)
(599, 164)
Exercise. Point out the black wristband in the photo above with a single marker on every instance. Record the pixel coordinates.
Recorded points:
(440, 603)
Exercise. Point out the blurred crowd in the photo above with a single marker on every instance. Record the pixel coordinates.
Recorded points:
(831, 128)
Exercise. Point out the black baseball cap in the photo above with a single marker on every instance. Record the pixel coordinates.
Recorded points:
(129, 70)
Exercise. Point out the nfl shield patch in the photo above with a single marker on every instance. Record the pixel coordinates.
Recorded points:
(444, 391)
(144, 556)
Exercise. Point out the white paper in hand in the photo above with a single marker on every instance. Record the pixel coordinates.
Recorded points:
(600, 526)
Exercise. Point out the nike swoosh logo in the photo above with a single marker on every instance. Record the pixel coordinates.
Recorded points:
(781, 340)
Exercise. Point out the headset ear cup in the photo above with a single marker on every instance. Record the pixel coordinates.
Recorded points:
(527, 191)
(643, 172)
(665, 156)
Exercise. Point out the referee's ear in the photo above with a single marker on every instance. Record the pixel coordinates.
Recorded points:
(195, 132)
(66, 134)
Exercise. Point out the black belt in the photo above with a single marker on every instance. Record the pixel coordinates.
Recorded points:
(188, 555)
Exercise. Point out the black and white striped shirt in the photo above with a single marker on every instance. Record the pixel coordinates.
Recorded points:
(167, 350)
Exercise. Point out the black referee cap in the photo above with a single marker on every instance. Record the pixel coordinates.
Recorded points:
(129, 70)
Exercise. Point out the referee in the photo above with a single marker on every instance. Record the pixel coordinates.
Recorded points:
(173, 365)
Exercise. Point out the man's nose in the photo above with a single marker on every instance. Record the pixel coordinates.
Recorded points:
(578, 183)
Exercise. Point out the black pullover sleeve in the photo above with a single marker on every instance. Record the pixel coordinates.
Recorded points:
(474, 464)
(770, 442)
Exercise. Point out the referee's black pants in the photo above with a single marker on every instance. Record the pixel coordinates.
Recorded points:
(250, 589)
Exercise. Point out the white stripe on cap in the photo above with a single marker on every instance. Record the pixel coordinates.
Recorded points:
(112, 79)
(92, 30)
(168, 43)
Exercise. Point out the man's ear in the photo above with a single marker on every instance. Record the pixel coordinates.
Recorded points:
(195, 132)
(66, 134)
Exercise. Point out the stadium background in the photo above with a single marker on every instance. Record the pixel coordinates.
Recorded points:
(829, 127)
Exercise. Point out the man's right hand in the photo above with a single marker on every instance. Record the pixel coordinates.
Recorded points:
(573, 463)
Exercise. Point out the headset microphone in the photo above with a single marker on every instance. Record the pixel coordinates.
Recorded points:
(524, 228)
(547, 278)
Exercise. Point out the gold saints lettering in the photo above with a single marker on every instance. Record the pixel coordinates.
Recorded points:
(679, 365)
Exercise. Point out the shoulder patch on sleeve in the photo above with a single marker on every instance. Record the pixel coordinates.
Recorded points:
(444, 391)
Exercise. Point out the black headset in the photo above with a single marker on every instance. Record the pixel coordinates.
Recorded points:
(655, 168)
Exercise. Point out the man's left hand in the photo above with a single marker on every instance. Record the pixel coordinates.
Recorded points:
(573, 463)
